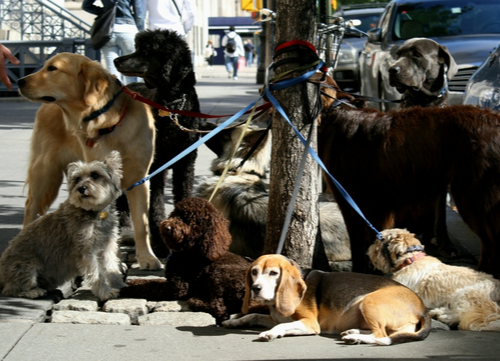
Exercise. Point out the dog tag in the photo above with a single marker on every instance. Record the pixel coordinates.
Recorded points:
(103, 215)
(163, 113)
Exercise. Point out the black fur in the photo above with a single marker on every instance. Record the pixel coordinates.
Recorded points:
(163, 59)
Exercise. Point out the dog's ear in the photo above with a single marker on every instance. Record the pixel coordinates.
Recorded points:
(446, 58)
(291, 289)
(114, 162)
(377, 258)
(216, 236)
(95, 82)
(248, 290)
(73, 167)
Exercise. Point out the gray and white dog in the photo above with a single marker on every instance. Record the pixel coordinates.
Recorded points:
(78, 239)
(243, 196)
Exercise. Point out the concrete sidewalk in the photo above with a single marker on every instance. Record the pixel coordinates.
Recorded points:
(25, 336)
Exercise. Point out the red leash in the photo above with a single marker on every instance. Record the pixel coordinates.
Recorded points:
(137, 96)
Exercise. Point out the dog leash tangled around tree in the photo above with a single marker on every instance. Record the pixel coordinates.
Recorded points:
(277, 84)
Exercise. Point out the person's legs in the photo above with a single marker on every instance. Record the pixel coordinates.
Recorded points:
(125, 42)
(235, 59)
(250, 59)
(228, 61)
(110, 51)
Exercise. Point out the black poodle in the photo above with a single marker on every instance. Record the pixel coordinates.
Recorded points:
(163, 59)
(200, 269)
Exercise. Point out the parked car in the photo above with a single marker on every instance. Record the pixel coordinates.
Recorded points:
(468, 29)
(347, 71)
(483, 88)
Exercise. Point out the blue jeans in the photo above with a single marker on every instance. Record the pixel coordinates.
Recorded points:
(232, 63)
(249, 58)
(120, 44)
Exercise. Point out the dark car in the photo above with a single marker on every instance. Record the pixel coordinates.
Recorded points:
(468, 29)
(483, 88)
(347, 71)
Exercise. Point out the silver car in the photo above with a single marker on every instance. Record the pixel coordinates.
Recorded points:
(346, 74)
(483, 88)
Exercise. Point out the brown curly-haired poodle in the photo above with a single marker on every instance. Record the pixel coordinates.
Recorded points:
(200, 269)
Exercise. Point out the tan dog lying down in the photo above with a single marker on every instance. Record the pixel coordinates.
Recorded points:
(455, 295)
(79, 120)
(363, 308)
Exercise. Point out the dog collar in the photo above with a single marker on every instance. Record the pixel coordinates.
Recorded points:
(427, 99)
(106, 107)
(411, 260)
(90, 142)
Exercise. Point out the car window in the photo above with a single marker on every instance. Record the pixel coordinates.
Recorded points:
(446, 18)
(368, 21)
(385, 20)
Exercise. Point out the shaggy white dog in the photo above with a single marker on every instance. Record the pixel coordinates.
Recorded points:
(455, 295)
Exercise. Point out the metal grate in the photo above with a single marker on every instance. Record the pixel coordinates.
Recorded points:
(41, 20)
(459, 81)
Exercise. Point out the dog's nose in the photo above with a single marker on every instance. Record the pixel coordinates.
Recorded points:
(256, 289)
(394, 70)
(21, 82)
(82, 189)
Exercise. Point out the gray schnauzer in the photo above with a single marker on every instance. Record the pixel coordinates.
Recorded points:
(78, 239)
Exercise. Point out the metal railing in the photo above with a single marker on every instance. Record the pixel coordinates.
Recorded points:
(41, 20)
(45, 29)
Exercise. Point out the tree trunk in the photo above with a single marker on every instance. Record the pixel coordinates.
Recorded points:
(295, 19)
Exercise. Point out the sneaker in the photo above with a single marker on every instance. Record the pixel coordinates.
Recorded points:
(235, 78)
(229, 74)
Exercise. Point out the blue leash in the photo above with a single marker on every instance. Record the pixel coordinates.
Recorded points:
(195, 145)
(315, 156)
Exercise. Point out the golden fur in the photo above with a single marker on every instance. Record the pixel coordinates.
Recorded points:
(363, 308)
(71, 86)
(455, 295)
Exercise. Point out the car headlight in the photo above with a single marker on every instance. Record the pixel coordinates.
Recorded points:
(489, 98)
(346, 56)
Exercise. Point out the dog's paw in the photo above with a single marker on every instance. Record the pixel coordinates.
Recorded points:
(353, 331)
(149, 262)
(232, 323)
(269, 336)
(34, 293)
(111, 293)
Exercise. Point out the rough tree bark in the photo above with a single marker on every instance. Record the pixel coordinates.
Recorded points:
(295, 19)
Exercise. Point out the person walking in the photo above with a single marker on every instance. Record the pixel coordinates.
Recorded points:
(210, 53)
(249, 49)
(129, 20)
(233, 50)
(176, 15)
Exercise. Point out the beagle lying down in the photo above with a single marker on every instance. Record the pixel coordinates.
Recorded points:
(363, 308)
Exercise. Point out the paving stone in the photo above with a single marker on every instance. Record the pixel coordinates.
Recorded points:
(77, 305)
(22, 309)
(132, 307)
(84, 294)
(94, 318)
(145, 277)
(171, 306)
(189, 319)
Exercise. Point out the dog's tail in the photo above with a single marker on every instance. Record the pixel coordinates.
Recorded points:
(423, 330)
(478, 313)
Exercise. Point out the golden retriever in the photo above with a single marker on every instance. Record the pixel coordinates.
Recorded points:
(85, 116)
(364, 308)
(457, 296)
